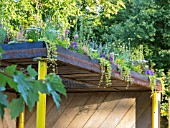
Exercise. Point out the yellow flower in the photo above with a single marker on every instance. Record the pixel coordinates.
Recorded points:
(119, 61)
(163, 112)
(95, 54)
(30, 40)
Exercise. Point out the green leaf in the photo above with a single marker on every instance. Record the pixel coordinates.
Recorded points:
(10, 70)
(23, 85)
(3, 79)
(2, 88)
(56, 98)
(3, 100)
(6, 79)
(31, 71)
(1, 50)
(33, 95)
(16, 107)
(54, 83)
(44, 88)
(2, 111)
(12, 84)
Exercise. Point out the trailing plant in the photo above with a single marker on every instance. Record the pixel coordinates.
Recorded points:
(127, 76)
(152, 84)
(152, 79)
(124, 70)
(106, 70)
(2, 35)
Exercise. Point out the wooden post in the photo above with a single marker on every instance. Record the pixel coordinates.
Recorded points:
(21, 120)
(41, 104)
(156, 109)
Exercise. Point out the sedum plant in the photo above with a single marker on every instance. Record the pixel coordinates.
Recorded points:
(3, 35)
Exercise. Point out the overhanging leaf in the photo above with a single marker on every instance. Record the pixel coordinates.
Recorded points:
(3, 79)
(7, 79)
(2, 88)
(56, 98)
(23, 85)
(2, 111)
(10, 69)
(3, 102)
(12, 84)
(31, 71)
(54, 83)
(3, 99)
(16, 107)
(1, 52)
(33, 95)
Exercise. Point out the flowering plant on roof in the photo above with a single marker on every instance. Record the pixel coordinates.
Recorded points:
(73, 45)
(149, 72)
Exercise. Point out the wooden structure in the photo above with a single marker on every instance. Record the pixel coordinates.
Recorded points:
(7, 122)
(88, 105)
(99, 109)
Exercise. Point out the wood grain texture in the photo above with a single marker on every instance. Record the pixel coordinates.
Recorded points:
(71, 111)
(129, 118)
(54, 114)
(99, 109)
(87, 110)
(144, 120)
(124, 104)
(103, 110)
(31, 123)
(142, 104)
(7, 122)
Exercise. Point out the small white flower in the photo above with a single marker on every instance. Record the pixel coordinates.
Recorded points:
(88, 8)
(16, 0)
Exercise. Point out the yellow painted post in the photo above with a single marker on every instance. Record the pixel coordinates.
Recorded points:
(41, 104)
(156, 109)
(21, 120)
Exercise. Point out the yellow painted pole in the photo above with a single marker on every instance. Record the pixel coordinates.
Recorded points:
(41, 104)
(21, 120)
(156, 97)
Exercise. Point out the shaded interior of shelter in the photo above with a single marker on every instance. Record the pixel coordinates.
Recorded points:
(99, 109)
(79, 79)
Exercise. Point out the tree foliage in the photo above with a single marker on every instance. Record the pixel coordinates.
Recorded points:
(18, 15)
(112, 24)
(141, 22)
